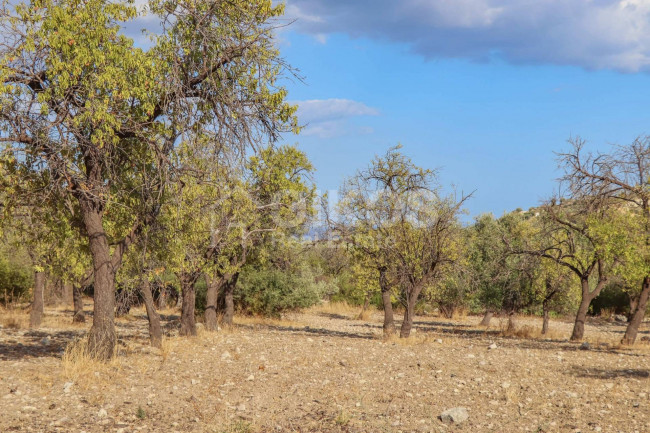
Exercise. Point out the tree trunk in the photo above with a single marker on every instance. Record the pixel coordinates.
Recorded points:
(67, 293)
(487, 319)
(228, 292)
(214, 284)
(581, 316)
(364, 307)
(634, 301)
(36, 315)
(546, 315)
(155, 330)
(50, 292)
(78, 303)
(161, 301)
(512, 325)
(188, 321)
(409, 313)
(389, 322)
(102, 337)
(637, 318)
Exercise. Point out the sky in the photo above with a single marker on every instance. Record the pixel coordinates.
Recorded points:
(485, 91)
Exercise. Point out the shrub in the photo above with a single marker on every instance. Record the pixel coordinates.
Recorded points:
(15, 281)
(271, 291)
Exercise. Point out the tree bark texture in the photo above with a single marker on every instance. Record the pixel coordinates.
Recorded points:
(155, 330)
(487, 318)
(188, 321)
(36, 315)
(229, 290)
(78, 304)
(637, 317)
(389, 322)
(102, 336)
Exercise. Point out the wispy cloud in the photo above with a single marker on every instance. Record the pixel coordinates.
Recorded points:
(593, 34)
(327, 118)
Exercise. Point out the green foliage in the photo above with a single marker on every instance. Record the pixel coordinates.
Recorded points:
(271, 291)
(16, 279)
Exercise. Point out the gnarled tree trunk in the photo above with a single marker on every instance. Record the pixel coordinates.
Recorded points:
(67, 293)
(188, 321)
(36, 315)
(389, 322)
(546, 313)
(487, 318)
(102, 337)
(637, 318)
(512, 323)
(155, 330)
(581, 316)
(78, 304)
(229, 290)
(409, 314)
(212, 295)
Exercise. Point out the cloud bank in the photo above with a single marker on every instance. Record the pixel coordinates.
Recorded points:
(327, 118)
(592, 34)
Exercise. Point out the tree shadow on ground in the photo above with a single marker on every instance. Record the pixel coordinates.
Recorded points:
(37, 344)
(335, 316)
(608, 373)
(307, 330)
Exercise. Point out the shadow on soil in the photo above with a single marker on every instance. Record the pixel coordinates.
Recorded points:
(36, 344)
(607, 373)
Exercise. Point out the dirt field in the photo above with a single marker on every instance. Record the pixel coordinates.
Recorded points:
(323, 371)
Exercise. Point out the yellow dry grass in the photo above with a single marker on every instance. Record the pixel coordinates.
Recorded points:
(532, 332)
(341, 308)
(80, 367)
(263, 321)
(14, 318)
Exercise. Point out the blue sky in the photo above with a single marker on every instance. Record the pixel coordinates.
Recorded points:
(484, 90)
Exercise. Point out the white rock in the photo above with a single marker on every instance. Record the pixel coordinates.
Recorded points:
(67, 387)
(492, 346)
(102, 413)
(225, 355)
(250, 378)
(456, 415)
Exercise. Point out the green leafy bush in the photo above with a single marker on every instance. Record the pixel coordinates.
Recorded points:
(15, 281)
(270, 291)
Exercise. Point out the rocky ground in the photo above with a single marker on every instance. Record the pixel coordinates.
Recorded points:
(325, 371)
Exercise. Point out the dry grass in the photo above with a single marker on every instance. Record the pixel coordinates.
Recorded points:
(13, 318)
(343, 309)
(80, 367)
(340, 308)
(532, 332)
(263, 321)
(365, 315)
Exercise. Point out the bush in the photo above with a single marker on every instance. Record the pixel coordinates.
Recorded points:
(15, 281)
(271, 291)
(612, 298)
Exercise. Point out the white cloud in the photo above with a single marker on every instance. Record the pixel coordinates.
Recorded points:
(593, 34)
(327, 118)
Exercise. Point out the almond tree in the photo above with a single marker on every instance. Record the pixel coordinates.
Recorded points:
(587, 238)
(393, 213)
(623, 176)
(96, 118)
